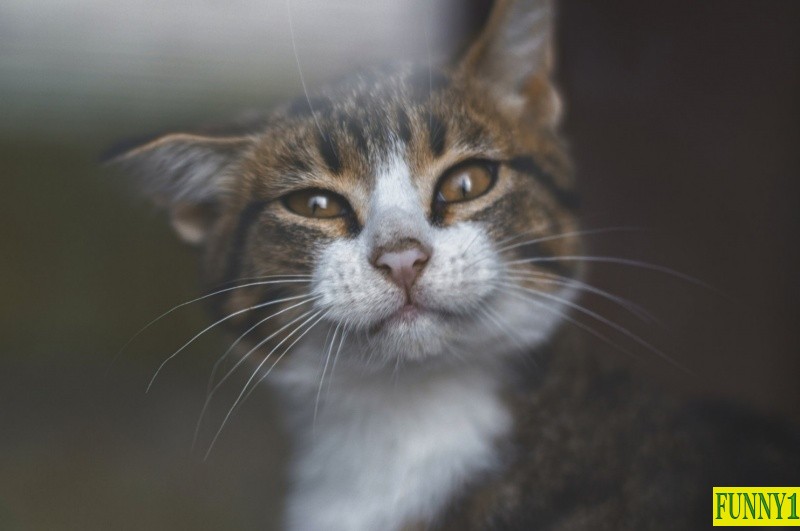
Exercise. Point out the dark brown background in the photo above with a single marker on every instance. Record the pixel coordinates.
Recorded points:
(683, 120)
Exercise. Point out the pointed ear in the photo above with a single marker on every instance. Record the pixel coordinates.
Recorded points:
(514, 56)
(187, 175)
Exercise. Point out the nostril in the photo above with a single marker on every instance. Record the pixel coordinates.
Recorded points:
(419, 262)
(403, 265)
(419, 259)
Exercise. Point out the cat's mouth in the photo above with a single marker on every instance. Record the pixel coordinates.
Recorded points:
(408, 312)
(406, 315)
(413, 315)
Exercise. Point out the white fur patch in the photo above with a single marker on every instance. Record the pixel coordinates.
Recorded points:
(394, 189)
(388, 452)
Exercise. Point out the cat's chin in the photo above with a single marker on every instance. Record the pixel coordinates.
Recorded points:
(412, 333)
(405, 316)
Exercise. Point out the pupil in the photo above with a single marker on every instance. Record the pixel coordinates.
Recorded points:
(466, 185)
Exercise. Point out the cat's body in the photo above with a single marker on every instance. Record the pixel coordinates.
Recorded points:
(599, 447)
(401, 241)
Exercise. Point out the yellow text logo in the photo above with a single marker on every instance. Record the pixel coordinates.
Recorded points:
(756, 506)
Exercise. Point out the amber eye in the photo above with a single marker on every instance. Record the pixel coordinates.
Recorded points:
(316, 203)
(466, 182)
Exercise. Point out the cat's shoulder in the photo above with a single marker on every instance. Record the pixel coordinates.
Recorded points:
(599, 446)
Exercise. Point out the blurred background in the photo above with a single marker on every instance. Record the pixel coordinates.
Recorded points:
(682, 117)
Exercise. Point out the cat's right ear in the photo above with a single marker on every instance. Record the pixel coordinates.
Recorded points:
(513, 55)
(186, 175)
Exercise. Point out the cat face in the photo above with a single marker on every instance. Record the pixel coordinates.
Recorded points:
(416, 210)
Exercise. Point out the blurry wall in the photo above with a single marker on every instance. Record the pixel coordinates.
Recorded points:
(683, 119)
(146, 62)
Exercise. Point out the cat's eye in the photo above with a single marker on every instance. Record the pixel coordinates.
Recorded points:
(315, 203)
(466, 182)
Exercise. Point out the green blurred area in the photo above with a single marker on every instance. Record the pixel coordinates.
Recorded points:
(85, 264)
(78, 255)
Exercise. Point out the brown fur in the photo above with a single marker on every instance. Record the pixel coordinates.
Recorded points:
(599, 448)
(361, 118)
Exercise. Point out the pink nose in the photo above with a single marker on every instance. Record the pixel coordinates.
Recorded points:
(403, 265)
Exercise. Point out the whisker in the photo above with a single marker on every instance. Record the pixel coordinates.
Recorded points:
(512, 238)
(299, 68)
(336, 357)
(211, 392)
(501, 248)
(322, 377)
(566, 317)
(464, 252)
(198, 299)
(621, 261)
(427, 17)
(496, 319)
(456, 355)
(609, 323)
(275, 363)
(245, 333)
(239, 398)
(220, 321)
(264, 277)
(586, 232)
(560, 280)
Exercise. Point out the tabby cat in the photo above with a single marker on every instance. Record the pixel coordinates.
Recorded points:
(393, 246)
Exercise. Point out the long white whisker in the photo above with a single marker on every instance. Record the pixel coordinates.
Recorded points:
(501, 247)
(260, 344)
(216, 323)
(560, 280)
(243, 335)
(299, 68)
(513, 237)
(336, 357)
(198, 299)
(430, 65)
(494, 317)
(322, 377)
(264, 277)
(586, 232)
(258, 369)
(275, 363)
(609, 323)
(466, 248)
(212, 391)
(565, 316)
(619, 261)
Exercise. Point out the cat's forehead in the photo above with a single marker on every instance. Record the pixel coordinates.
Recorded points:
(348, 132)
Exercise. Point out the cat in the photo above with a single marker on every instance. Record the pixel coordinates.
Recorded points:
(394, 246)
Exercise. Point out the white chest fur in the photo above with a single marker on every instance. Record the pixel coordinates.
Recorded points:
(386, 452)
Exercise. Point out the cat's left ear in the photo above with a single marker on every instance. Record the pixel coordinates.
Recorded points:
(187, 175)
(513, 55)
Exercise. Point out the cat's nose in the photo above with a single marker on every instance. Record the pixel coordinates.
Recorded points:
(403, 262)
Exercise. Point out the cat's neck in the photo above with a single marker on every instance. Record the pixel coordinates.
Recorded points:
(390, 448)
